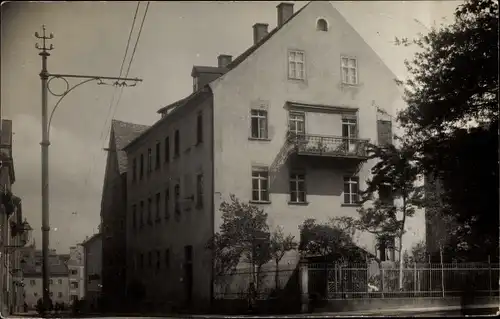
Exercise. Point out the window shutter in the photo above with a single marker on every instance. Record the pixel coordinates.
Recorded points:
(384, 130)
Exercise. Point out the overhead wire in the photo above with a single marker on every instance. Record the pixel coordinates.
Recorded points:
(89, 171)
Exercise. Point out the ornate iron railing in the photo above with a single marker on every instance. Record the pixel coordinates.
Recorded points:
(334, 146)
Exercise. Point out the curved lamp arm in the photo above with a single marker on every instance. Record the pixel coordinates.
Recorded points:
(64, 94)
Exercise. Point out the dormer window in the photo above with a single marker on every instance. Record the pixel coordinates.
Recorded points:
(195, 83)
(322, 25)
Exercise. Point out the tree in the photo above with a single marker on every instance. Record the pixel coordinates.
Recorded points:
(330, 241)
(279, 246)
(394, 178)
(454, 84)
(244, 233)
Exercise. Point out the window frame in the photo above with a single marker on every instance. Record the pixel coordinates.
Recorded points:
(141, 214)
(260, 174)
(158, 206)
(157, 155)
(199, 190)
(177, 199)
(150, 161)
(326, 25)
(260, 115)
(166, 149)
(291, 119)
(177, 142)
(199, 128)
(141, 167)
(167, 203)
(347, 67)
(295, 178)
(293, 61)
(134, 170)
(351, 180)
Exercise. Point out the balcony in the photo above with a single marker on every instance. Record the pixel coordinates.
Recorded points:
(329, 146)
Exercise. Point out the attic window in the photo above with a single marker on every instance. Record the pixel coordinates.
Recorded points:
(322, 25)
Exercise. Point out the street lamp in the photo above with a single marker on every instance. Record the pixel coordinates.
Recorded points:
(46, 78)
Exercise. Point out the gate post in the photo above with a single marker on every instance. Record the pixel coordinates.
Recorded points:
(304, 285)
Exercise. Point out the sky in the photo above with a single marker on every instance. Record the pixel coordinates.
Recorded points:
(90, 39)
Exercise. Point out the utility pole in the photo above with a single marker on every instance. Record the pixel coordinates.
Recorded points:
(45, 78)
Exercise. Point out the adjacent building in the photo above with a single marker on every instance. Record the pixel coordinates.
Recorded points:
(76, 264)
(58, 277)
(13, 230)
(283, 126)
(93, 270)
(113, 213)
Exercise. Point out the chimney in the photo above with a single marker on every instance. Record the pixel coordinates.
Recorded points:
(285, 12)
(224, 60)
(259, 32)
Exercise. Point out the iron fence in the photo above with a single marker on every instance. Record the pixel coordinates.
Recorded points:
(333, 281)
(361, 281)
(329, 145)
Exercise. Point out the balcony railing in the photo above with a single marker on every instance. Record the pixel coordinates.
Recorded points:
(334, 146)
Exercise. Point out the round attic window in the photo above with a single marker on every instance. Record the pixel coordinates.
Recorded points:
(322, 25)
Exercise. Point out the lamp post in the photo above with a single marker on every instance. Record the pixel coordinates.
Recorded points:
(46, 78)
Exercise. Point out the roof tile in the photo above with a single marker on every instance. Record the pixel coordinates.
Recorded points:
(125, 133)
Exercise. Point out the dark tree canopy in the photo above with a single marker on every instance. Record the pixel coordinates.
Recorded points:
(453, 83)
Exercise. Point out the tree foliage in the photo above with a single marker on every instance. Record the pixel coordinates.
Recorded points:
(453, 83)
(330, 240)
(280, 244)
(244, 233)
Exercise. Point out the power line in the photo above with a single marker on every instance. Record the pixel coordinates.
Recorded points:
(114, 94)
(131, 59)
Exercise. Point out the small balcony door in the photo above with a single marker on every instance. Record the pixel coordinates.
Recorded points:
(349, 134)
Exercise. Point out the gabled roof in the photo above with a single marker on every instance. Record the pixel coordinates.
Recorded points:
(235, 62)
(125, 133)
(91, 239)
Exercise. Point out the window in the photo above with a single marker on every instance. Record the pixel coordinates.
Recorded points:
(167, 203)
(296, 122)
(59, 294)
(150, 259)
(199, 128)
(259, 124)
(158, 260)
(188, 254)
(195, 84)
(349, 71)
(199, 190)
(385, 195)
(150, 160)
(59, 281)
(177, 195)
(351, 190)
(134, 170)
(158, 155)
(141, 167)
(297, 188)
(141, 214)
(167, 149)
(51, 281)
(384, 132)
(134, 216)
(35, 294)
(32, 282)
(74, 297)
(74, 272)
(158, 198)
(322, 25)
(74, 285)
(296, 65)
(150, 219)
(176, 143)
(167, 258)
(349, 134)
(260, 191)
